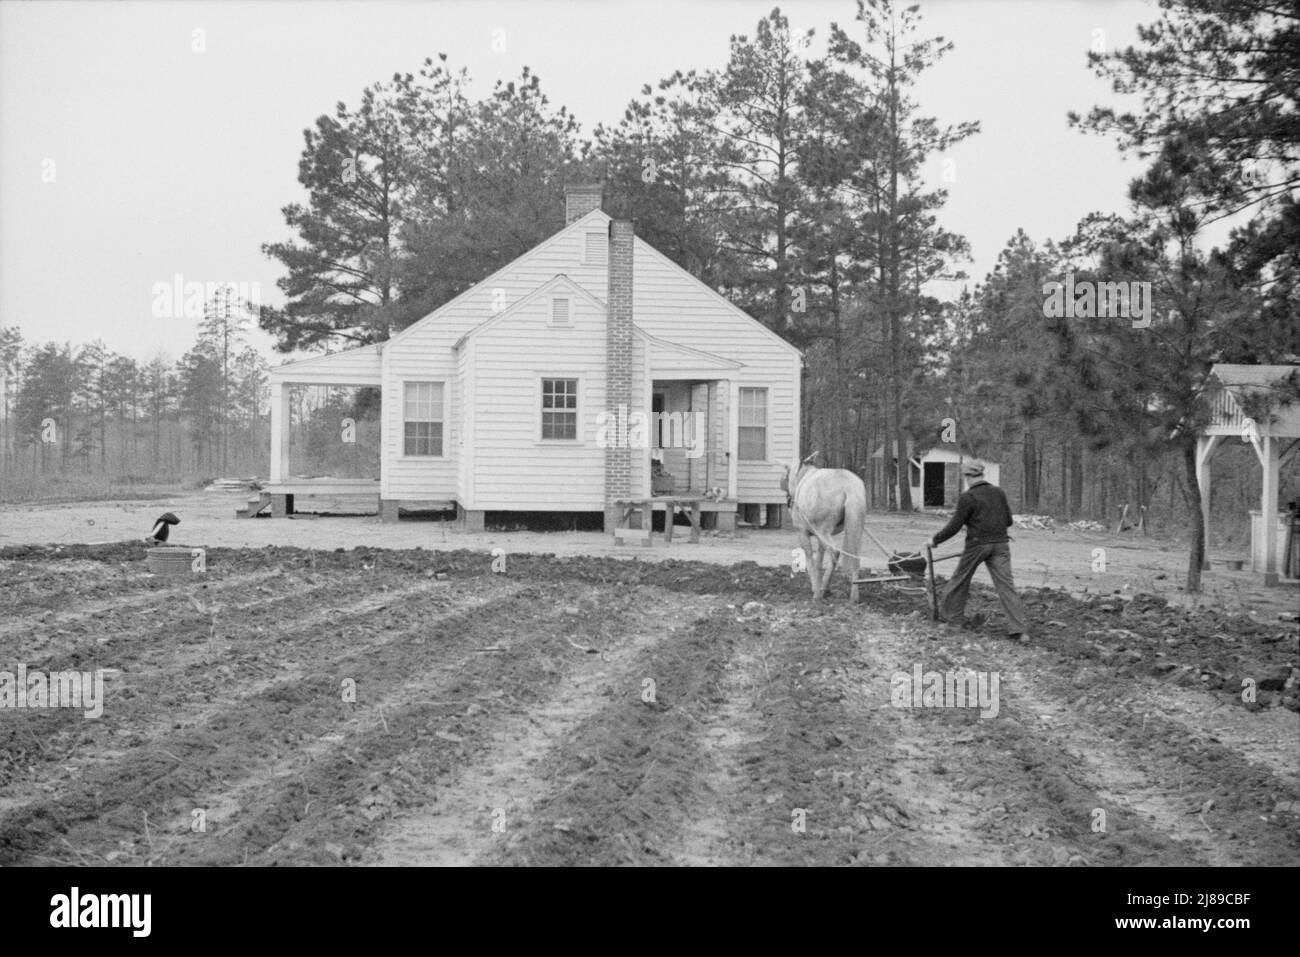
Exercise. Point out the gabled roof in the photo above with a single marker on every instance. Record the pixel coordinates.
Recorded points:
(1251, 376)
(581, 225)
(558, 281)
(707, 359)
(1240, 381)
(585, 221)
(947, 452)
(758, 326)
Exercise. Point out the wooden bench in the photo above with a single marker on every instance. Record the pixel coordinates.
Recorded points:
(669, 505)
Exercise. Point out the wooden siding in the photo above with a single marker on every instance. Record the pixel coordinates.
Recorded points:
(669, 304)
(464, 450)
(492, 380)
(426, 349)
(417, 477)
(512, 466)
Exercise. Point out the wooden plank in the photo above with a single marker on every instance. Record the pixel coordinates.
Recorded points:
(336, 487)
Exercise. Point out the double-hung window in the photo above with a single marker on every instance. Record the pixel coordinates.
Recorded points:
(422, 418)
(559, 409)
(752, 433)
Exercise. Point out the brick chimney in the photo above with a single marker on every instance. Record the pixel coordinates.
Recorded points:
(580, 199)
(618, 363)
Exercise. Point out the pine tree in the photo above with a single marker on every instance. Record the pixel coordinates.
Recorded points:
(911, 249)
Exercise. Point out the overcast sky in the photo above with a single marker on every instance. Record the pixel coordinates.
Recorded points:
(169, 161)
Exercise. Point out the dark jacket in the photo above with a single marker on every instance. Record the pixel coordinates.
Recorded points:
(983, 509)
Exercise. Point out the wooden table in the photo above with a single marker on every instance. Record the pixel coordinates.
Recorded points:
(688, 504)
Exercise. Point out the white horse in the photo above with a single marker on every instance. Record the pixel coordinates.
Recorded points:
(823, 503)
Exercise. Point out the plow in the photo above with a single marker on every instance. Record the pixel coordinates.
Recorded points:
(911, 567)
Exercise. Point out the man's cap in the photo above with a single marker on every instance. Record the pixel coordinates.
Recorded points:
(973, 470)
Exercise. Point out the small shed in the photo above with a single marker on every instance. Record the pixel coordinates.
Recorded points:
(935, 474)
(1274, 433)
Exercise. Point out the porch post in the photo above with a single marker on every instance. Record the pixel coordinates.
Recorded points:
(1268, 505)
(718, 425)
(1205, 448)
(704, 470)
(733, 436)
(280, 394)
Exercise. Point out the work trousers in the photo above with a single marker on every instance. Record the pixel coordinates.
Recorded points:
(952, 606)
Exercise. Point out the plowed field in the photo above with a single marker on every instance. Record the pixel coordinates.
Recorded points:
(413, 707)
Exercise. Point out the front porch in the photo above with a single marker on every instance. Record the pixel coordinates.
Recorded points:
(356, 368)
(690, 439)
(688, 466)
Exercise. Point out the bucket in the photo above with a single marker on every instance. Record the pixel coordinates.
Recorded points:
(172, 560)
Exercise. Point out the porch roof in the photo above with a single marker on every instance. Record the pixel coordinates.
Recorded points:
(1235, 384)
(671, 360)
(360, 366)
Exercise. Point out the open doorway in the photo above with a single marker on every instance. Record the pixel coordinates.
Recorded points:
(932, 492)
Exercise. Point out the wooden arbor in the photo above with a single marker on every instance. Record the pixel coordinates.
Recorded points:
(1275, 438)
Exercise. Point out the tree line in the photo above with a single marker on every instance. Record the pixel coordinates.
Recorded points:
(87, 410)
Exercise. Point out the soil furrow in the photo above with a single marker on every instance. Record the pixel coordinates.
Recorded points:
(253, 726)
(626, 777)
(481, 805)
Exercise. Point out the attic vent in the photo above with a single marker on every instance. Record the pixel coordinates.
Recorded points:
(597, 249)
(559, 311)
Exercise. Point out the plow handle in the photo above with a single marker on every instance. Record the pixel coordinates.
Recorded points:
(929, 583)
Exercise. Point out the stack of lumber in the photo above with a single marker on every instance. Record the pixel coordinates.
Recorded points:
(233, 485)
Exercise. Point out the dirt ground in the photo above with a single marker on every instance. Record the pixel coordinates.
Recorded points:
(412, 706)
(1042, 558)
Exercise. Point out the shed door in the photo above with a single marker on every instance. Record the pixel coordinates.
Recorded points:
(933, 490)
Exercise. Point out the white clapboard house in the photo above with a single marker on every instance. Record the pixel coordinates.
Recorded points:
(524, 393)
